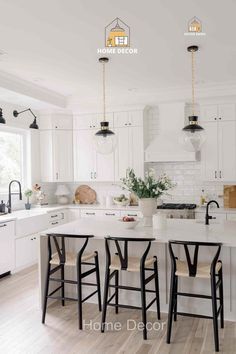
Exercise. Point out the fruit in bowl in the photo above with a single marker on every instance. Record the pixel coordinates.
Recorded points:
(128, 222)
(121, 200)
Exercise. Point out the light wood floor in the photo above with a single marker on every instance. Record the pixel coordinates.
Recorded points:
(21, 330)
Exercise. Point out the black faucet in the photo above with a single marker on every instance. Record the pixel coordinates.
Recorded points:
(10, 194)
(208, 217)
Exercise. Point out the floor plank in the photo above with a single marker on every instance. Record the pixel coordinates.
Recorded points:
(21, 331)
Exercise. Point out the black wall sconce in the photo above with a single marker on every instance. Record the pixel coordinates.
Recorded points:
(33, 125)
(2, 119)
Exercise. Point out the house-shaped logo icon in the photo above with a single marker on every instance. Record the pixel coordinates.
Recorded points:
(195, 25)
(117, 34)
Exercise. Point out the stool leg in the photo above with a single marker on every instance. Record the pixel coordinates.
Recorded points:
(79, 290)
(157, 290)
(171, 308)
(221, 298)
(214, 312)
(175, 298)
(117, 290)
(143, 301)
(104, 309)
(45, 300)
(63, 285)
(98, 282)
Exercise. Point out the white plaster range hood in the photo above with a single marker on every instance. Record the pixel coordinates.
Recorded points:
(166, 146)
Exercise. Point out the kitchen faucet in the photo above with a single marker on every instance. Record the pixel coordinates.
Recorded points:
(208, 217)
(11, 193)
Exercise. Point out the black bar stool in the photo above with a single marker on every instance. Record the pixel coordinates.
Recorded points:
(60, 259)
(122, 261)
(186, 268)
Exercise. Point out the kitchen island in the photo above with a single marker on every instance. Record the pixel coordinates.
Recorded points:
(190, 230)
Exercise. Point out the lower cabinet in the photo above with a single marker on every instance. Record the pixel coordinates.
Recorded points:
(26, 251)
(7, 230)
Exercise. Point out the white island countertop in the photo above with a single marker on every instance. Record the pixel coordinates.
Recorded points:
(177, 229)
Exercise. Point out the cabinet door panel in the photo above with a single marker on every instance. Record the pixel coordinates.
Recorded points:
(137, 150)
(227, 150)
(136, 118)
(104, 170)
(6, 247)
(209, 113)
(226, 112)
(121, 119)
(63, 155)
(209, 153)
(46, 156)
(122, 153)
(84, 155)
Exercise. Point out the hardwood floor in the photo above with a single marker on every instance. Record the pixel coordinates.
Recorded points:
(21, 331)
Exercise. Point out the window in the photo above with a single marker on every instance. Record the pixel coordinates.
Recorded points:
(121, 40)
(13, 157)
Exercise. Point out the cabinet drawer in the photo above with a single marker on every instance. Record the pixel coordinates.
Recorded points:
(54, 223)
(111, 213)
(90, 213)
(134, 213)
(56, 216)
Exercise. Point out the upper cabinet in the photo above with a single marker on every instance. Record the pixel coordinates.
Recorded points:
(62, 121)
(91, 121)
(130, 144)
(213, 112)
(56, 148)
(218, 156)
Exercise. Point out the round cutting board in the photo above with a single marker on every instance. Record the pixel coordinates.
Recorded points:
(85, 195)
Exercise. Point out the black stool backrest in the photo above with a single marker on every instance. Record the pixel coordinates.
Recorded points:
(192, 266)
(59, 242)
(123, 256)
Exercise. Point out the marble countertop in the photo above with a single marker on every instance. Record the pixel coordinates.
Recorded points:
(177, 229)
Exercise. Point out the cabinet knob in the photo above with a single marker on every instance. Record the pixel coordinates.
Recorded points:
(3, 225)
(95, 175)
(215, 118)
(219, 118)
(220, 175)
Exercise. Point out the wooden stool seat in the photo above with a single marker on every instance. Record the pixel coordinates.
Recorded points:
(133, 263)
(71, 258)
(203, 269)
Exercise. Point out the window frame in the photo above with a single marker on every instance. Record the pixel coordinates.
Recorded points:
(26, 155)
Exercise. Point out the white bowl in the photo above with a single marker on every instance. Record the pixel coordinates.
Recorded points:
(128, 224)
(123, 203)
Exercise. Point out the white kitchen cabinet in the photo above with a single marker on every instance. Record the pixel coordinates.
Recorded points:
(126, 119)
(52, 121)
(89, 165)
(26, 250)
(84, 213)
(231, 217)
(222, 112)
(91, 121)
(7, 231)
(73, 214)
(58, 217)
(56, 155)
(129, 152)
(219, 151)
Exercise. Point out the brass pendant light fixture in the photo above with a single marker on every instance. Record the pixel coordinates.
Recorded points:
(193, 135)
(105, 139)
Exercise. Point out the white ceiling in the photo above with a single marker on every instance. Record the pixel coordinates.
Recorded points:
(54, 45)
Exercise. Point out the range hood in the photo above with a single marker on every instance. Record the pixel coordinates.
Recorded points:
(166, 146)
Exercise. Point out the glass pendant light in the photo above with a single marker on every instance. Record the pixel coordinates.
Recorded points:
(105, 139)
(193, 135)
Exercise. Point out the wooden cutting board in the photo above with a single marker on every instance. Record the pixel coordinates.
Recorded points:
(230, 196)
(85, 195)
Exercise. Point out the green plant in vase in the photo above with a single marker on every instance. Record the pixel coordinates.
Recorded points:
(28, 193)
(148, 190)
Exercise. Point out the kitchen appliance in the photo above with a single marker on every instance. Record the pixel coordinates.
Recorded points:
(178, 210)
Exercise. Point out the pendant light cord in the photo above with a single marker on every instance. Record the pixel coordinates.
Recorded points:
(104, 91)
(193, 83)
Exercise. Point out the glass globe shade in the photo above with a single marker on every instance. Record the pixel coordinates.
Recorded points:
(192, 141)
(105, 143)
